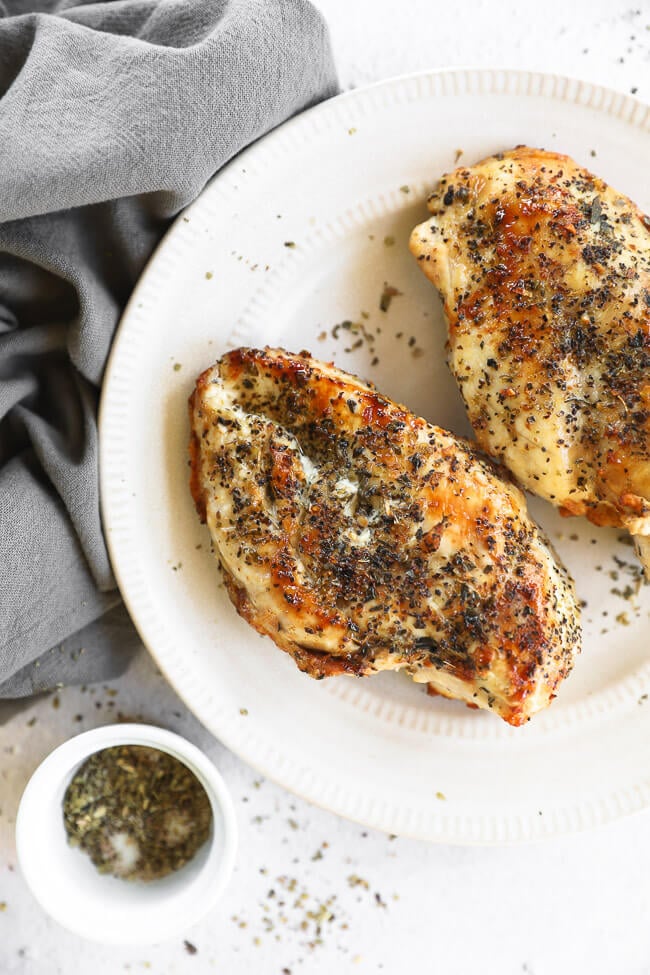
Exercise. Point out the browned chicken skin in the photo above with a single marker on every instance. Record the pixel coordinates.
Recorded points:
(360, 538)
(544, 271)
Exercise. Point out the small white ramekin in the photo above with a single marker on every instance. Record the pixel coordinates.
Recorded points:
(103, 908)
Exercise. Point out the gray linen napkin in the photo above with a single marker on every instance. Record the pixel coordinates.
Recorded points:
(113, 116)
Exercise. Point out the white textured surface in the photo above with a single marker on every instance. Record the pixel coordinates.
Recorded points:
(579, 904)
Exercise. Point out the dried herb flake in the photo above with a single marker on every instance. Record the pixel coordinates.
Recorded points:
(387, 296)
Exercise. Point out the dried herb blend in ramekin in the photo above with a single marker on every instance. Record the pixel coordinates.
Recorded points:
(137, 812)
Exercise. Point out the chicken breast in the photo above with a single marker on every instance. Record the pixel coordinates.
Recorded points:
(544, 271)
(360, 538)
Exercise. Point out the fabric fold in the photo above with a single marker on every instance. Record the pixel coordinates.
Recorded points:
(113, 116)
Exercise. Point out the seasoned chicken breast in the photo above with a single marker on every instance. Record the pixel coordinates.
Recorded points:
(544, 271)
(360, 538)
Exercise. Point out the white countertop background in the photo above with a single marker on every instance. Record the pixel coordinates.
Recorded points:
(576, 905)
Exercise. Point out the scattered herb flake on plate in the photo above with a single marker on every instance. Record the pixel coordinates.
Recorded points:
(387, 296)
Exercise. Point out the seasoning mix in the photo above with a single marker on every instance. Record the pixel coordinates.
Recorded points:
(137, 812)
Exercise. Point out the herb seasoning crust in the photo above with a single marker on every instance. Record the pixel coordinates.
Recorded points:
(544, 271)
(361, 538)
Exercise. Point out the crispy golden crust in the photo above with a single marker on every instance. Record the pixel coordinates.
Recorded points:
(360, 538)
(544, 271)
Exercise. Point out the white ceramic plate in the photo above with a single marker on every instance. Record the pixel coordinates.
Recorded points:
(336, 182)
